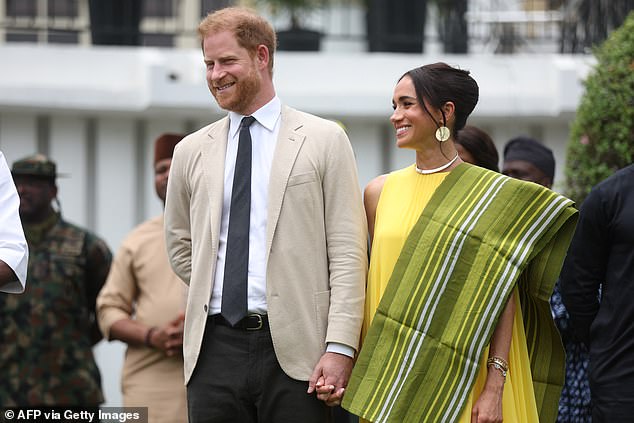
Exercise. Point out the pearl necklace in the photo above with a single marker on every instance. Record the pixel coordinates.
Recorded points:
(438, 169)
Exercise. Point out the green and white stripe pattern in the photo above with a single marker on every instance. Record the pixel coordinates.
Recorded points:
(459, 265)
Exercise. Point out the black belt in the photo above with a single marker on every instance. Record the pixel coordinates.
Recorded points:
(252, 321)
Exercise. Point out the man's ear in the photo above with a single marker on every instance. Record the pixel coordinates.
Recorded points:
(53, 191)
(262, 55)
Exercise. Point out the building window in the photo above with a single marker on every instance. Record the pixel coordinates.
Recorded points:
(21, 8)
(158, 8)
(20, 37)
(207, 6)
(63, 37)
(63, 8)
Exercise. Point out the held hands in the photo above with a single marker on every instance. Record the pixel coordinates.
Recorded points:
(330, 378)
(169, 338)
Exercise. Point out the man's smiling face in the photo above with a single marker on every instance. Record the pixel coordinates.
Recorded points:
(232, 72)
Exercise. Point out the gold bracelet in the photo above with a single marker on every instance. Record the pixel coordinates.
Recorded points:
(500, 361)
(500, 364)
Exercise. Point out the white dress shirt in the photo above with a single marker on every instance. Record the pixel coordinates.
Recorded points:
(13, 247)
(264, 133)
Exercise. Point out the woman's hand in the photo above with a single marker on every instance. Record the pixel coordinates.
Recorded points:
(488, 407)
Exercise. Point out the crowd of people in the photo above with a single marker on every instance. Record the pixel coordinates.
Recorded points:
(272, 289)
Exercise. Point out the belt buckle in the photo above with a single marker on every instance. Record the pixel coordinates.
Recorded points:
(260, 323)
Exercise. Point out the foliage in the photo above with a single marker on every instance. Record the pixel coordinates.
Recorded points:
(587, 23)
(602, 134)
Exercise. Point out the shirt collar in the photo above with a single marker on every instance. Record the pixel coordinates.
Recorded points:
(266, 116)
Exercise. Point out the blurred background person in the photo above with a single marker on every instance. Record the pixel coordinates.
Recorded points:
(48, 332)
(476, 147)
(527, 159)
(14, 253)
(142, 305)
(597, 285)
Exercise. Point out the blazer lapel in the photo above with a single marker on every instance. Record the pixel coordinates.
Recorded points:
(288, 145)
(213, 152)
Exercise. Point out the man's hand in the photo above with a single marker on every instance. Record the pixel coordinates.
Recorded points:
(169, 338)
(330, 377)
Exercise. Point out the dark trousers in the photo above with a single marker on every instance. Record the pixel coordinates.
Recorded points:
(238, 379)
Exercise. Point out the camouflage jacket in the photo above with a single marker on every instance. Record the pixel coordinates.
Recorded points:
(47, 333)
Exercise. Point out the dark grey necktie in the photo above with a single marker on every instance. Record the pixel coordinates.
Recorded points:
(234, 290)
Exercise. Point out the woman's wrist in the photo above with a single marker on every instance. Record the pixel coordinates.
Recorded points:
(499, 366)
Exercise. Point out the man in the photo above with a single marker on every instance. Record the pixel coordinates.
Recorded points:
(529, 160)
(48, 332)
(142, 305)
(293, 216)
(597, 285)
(14, 253)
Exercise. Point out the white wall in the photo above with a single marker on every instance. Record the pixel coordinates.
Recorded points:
(96, 111)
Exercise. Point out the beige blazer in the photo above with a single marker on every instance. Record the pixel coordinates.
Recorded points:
(316, 237)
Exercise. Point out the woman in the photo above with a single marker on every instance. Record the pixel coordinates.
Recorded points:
(458, 252)
(476, 147)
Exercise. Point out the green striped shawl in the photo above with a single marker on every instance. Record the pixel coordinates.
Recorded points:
(480, 234)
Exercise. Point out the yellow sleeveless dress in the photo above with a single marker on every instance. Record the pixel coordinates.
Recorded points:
(404, 196)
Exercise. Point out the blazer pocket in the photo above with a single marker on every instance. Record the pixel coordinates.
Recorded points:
(322, 306)
(301, 178)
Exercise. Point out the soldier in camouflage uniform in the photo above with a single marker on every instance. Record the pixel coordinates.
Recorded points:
(47, 333)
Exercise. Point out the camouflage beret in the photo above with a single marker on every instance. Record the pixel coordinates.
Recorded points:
(35, 165)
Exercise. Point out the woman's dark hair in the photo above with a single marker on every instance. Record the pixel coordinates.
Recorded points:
(480, 145)
(439, 83)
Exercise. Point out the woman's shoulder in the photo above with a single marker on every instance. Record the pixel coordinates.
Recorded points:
(373, 189)
(376, 185)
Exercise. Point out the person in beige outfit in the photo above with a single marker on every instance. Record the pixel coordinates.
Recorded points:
(142, 304)
(275, 301)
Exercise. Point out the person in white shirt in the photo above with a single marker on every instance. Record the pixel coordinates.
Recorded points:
(14, 253)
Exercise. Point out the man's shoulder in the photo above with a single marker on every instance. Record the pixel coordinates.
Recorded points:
(309, 121)
(319, 134)
(147, 231)
(203, 133)
(620, 181)
(70, 233)
(612, 194)
(66, 228)
(191, 144)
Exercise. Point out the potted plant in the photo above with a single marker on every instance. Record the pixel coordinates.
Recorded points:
(396, 25)
(296, 37)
